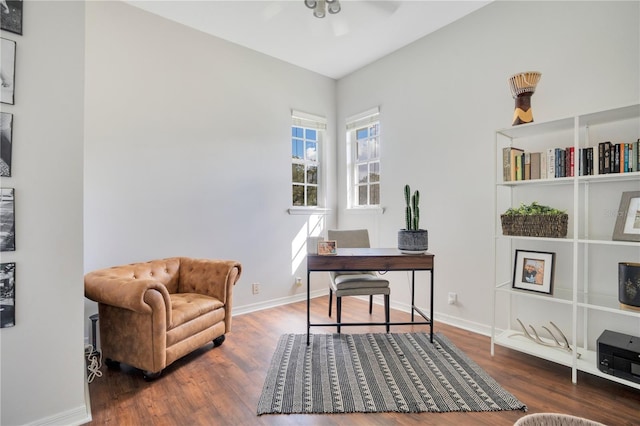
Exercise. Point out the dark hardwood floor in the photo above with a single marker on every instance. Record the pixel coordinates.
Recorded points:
(221, 386)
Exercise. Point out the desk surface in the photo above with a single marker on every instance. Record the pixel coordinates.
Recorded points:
(369, 259)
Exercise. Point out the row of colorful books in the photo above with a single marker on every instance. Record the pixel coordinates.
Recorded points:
(605, 158)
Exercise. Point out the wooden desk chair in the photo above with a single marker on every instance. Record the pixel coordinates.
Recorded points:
(365, 283)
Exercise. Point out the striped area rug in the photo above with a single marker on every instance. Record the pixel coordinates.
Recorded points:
(376, 372)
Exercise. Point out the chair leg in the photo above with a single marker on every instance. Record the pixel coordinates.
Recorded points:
(339, 311)
(370, 304)
(330, 300)
(386, 310)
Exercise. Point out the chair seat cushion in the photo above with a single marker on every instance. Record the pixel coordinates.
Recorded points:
(188, 306)
(351, 281)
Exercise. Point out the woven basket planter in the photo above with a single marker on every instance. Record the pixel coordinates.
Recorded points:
(541, 225)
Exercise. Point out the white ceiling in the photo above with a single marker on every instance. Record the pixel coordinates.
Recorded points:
(364, 31)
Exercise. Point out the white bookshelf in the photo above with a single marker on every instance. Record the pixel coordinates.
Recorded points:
(584, 298)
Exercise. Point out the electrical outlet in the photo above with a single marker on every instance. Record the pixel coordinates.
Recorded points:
(453, 298)
(255, 288)
(299, 281)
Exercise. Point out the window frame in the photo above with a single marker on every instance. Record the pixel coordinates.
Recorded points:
(316, 123)
(354, 124)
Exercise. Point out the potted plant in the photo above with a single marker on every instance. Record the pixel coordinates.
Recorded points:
(535, 220)
(412, 239)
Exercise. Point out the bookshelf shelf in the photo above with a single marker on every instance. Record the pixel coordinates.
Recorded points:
(584, 299)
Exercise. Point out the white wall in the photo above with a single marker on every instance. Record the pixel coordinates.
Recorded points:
(441, 99)
(187, 150)
(42, 368)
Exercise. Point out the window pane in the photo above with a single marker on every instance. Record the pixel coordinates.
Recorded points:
(374, 194)
(362, 133)
(297, 132)
(363, 173)
(296, 149)
(312, 195)
(374, 129)
(297, 173)
(298, 195)
(374, 172)
(374, 146)
(363, 152)
(362, 195)
(312, 175)
(310, 134)
(312, 151)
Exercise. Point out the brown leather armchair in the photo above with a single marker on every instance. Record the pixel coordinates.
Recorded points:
(153, 313)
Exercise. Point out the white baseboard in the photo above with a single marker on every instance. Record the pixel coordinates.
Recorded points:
(254, 307)
(446, 319)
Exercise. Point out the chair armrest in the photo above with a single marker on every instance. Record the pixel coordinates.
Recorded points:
(214, 278)
(126, 293)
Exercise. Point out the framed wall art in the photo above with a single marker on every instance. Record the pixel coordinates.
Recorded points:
(327, 248)
(6, 135)
(7, 70)
(627, 226)
(7, 220)
(7, 294)
(11, 16)
(533, 271)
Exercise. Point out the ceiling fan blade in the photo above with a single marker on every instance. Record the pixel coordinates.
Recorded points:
(388, 6)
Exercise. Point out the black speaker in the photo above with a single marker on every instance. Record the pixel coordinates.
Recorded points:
(629, 285)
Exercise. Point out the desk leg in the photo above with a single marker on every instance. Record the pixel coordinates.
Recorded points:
(413, 301)
(431, 307)
(308, 305)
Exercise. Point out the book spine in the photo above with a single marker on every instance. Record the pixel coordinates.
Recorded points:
(506, 164)
(551, 163)
(606, 152)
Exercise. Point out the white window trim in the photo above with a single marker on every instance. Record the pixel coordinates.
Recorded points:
(353, 122)
(313, 121)
(309, 211)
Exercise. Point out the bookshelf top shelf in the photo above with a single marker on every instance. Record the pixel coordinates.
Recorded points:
(567, 124)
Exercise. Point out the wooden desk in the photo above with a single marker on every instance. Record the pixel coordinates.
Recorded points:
(373, 259)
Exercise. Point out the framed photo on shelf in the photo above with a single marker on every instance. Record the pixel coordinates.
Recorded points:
(627, 226)
(533, 271)
(7, 220)
(7, 70)
(327, 247)
(6, 135)
(11, 16)
(7, 294)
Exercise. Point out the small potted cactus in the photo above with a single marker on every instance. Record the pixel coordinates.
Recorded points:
(412, 239)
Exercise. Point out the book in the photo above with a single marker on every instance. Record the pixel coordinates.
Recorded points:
(534, 167)
(551, 163)
(509, 155)
(606, 157)
(570, 164)
(526, 170)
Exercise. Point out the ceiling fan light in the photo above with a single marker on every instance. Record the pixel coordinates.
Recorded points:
(320, 11)
(311, 4)
(334, 7)
(330, 1)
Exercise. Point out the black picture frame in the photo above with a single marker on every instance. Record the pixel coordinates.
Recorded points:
(7, 294)
(7, 71)
(11, 16)
(6, 143)
(627, 227)
(534, 271)
(7, 219)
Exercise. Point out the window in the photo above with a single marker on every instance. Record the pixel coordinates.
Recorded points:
(363, 144)
(307, 133)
